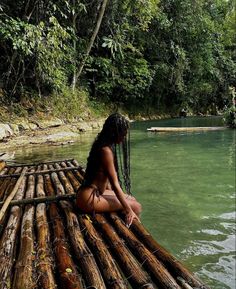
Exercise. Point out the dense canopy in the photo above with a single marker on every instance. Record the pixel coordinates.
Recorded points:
(146, 54)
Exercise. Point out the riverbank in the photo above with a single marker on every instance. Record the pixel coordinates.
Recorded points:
(50, 130)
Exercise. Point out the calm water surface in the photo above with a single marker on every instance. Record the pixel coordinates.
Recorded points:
(186, 184)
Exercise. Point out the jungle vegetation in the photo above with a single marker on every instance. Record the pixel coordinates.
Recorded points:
(142, 55)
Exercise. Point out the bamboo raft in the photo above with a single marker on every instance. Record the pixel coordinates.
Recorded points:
(45, 243)
(186, 129)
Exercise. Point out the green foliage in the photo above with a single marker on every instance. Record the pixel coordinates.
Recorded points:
(162, 54)
(230, 117)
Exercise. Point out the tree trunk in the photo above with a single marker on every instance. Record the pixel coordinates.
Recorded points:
(95, 32)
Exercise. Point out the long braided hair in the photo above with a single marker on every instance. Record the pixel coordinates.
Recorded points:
(115, 134)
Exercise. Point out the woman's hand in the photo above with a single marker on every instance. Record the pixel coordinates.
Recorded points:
(130, 216)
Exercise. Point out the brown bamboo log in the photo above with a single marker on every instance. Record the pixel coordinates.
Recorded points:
(37, 200)
(45, 259)
(132, 270)
(68, 274)
(12, 194)
(85, 258)
(65, 182)
(2, 165)
(36, 164)
(73, 180)
(5, 184)
(174, 266)
(8, 242)
(185, 129)
(184, 284)
(107, 265)
(24, 270)
(152, 265)
(38, 172)
(78, 173)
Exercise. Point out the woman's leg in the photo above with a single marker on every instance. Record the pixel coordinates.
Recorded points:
(108, 202)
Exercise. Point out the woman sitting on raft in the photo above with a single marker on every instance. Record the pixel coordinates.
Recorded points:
(101, 190)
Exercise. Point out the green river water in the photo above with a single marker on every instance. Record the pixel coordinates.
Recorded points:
(186, 185)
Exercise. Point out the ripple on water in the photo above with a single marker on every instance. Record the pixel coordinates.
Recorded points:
(218, 272)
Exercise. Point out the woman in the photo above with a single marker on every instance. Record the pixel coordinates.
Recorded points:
(101, 190)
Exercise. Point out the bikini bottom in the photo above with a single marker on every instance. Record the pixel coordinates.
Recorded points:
(95, 193)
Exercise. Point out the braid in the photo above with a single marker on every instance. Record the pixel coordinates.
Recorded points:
(115, 128)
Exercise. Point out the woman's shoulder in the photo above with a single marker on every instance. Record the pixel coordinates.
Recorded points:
(106, 151)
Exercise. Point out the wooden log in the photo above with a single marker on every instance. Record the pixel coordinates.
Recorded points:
(5, 184)
(75, 183)
(39, 172)
(45, 259)
(132, 270)
(85, 258)
(183, 283)
(68, 274)
(88, 266)
(107, 265)
(59, 189)
(78, 173)
(65, 182)
(12, 194)
(24, 270)
(171, 263)
(36, 164)
(185, 129)
(37, 200)
(152, 265)
(9, 241)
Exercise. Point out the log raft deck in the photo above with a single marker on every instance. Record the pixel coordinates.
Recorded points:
(46, 243)
(186, 129)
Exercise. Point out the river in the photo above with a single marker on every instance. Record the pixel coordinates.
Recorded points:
(186, 184)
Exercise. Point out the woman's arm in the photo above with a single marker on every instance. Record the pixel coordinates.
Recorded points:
(109, 167)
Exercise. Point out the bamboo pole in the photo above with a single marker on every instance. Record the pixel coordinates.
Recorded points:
(12, 194)
(185, 129)
(39, 172)
(155, 267)
(78, 173)
(73, 180)
(36, 164)
(88, 266)
(133, 272)
(24, 275)
(65, 182)
(183, 283)
(107, 265)
(5, 184)
(9, 240)
(172, 264)
(85, 258)
(68, 274)
(45, 259)
(37, 200)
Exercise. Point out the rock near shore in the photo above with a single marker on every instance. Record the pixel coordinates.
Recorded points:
(50, 131)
